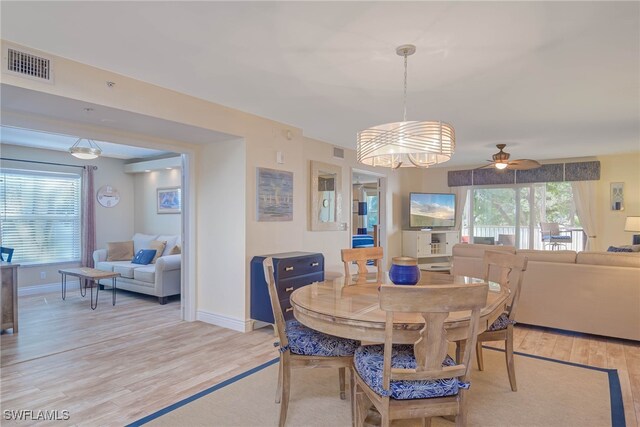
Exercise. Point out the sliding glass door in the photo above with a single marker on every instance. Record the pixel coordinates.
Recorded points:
(511, 215)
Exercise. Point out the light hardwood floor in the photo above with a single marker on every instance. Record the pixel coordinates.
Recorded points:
(115, 365)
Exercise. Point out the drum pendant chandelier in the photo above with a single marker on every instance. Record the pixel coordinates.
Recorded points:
(406, 143)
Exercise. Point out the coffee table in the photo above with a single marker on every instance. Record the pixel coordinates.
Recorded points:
(88, 275)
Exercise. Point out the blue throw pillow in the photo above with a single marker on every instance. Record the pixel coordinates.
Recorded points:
(144, 256)
(616, 249)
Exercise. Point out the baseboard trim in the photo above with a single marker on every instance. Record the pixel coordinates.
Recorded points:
(224, 321)
(38, 289)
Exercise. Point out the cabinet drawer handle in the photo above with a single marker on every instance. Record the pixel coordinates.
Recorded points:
(315, 264)
(289, 309)
(288, 289)
(288, 269)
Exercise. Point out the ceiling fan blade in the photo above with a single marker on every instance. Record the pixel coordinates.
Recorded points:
(523, 164)
(489, 165)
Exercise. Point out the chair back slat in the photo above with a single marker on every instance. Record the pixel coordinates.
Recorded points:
(434, 303)
(510, 269)
(360, 256)
(275, 302)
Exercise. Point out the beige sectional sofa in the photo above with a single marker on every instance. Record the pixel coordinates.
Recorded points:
(161, 279)
(591, 292)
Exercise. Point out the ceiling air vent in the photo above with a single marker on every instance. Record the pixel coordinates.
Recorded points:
(27, 64)
(338, 152)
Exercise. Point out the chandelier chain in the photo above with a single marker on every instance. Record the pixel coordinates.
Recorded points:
(404, 116)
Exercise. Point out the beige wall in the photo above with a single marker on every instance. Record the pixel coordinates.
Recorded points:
(113, 224)
(621, 168)
(146, 217)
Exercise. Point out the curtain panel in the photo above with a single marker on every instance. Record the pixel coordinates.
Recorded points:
(88, 232)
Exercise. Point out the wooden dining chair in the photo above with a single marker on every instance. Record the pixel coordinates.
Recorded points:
(302, 347)
(6, 253)
(419, 380)
(361, 256)
(508, 270)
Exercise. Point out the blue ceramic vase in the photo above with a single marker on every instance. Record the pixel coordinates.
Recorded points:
(404, 271)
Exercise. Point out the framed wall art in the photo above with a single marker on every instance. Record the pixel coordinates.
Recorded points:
(274, 193)
(169, 200)
(617, 196)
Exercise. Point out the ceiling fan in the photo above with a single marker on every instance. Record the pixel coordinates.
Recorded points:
(501, 161)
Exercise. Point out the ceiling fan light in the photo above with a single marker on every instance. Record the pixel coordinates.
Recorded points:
(89, 152)
(501, 166)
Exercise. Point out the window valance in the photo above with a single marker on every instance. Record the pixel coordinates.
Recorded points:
(555, 172)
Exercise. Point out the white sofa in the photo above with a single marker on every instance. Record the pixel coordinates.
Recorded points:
(591, 292)
(161, 279)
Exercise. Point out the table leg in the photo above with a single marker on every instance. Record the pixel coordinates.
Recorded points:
(64, 285)
(94, 306)
(80, 280)
(113, 287)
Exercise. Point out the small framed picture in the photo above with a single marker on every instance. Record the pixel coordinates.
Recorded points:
(617, 196)
(169, 200)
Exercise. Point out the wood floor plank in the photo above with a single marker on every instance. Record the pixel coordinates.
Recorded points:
(580, 351)
(597, 352)
(562, 348)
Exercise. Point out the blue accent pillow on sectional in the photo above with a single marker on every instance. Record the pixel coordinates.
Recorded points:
(144, 256)
(616, 249)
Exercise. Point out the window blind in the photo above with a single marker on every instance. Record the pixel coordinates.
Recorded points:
(40, 214)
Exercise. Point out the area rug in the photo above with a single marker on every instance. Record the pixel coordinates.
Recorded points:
(550, 393)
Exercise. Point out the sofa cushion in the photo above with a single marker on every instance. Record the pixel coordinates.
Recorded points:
(125, 269)
(477, 251)
(145, 274)
(548, 256)
(159, 246)
(609, 258)
(142, 241)
(120, 251)
(176, 250)
(634, 248)
(144, 256)
(171, 240)
(104, 266)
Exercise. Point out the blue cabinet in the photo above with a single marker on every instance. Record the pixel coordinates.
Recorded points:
(291, 270)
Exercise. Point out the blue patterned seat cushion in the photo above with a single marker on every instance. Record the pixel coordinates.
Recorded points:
(309, 342)
(368, 361)
(561, 237)
(501, 323)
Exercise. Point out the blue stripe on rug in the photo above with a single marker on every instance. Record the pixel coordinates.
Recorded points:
(196, 396)
(615, 392)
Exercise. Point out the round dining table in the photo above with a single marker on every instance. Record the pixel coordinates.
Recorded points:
(353, 311)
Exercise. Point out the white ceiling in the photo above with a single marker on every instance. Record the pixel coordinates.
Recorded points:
(86, 118)
(550, 79)
(57, 142)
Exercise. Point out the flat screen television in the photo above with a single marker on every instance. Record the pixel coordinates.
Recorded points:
(432, 210)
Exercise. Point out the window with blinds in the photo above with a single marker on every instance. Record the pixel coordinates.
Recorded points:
(40, 213)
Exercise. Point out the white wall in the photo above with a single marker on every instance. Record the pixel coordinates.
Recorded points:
(113, 224)
(221, 238)
(147, 220)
